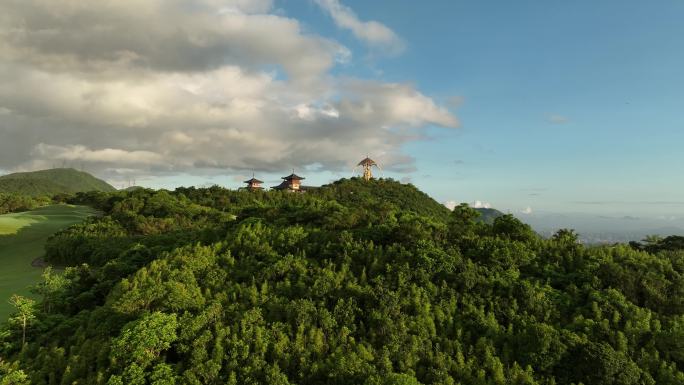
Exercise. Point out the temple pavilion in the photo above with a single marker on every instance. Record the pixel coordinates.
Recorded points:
(292, 183)
(253, 184)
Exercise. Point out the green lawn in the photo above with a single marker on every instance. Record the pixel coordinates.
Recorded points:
(22, 239)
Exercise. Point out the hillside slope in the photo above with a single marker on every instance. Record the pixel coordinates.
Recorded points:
(381, 192)
(51, 182)
(354, 284)
(488, 215)
(376, 193)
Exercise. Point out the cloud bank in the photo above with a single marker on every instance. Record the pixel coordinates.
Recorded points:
(156, 87)
(372, 32)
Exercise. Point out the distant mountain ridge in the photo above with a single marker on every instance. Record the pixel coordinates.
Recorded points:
(52, 182)
(488, 215)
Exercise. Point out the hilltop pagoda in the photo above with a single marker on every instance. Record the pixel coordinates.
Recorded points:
(368, 165)
(253, 184)
(292, 183)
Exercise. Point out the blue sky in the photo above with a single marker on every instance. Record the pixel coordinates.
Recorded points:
(562, 102)
(536, 107)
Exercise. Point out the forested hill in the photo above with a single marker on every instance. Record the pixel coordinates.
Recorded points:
(381, 195)
(355, 283)
(51, 182)
(488, 215)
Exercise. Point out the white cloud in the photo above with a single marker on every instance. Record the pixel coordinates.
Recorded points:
(394, 104)
(481, 205)
(310, 112)
(476, 205)
(527, 210)
(371, 32)
(105, 155)
(158, 87)
(105, 38)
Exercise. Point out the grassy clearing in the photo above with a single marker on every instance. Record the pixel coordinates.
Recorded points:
(22, 239)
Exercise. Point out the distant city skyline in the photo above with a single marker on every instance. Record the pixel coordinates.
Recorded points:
(532, 108)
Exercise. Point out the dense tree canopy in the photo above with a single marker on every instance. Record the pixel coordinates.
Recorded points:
(11, 203)
(356, 283)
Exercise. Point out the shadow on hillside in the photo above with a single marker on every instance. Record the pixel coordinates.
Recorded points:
(33, 235)
(26, 240)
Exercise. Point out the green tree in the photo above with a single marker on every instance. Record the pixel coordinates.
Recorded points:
(142, 341)
(51, 288)
(512, 228)
(24, 314)
(566, 236)
(10, 374)
(652, 240)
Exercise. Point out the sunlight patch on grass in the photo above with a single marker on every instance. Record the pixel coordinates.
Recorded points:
(22, 240)
(12, 223)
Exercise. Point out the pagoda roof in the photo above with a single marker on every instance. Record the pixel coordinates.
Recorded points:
(253, 180)
(281, 186)
(293, 176)
(367, 162)
(286, 186)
